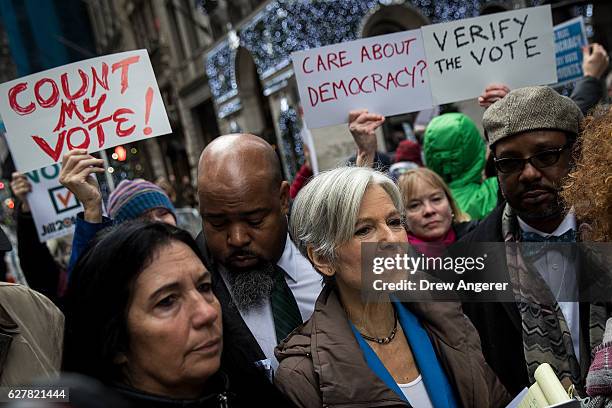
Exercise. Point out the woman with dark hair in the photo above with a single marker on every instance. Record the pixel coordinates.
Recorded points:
(141, 317)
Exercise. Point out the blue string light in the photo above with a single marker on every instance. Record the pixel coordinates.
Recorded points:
(292, 150)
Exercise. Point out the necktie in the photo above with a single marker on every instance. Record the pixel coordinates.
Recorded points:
(284, 307)
(534, 250)
(568, 236)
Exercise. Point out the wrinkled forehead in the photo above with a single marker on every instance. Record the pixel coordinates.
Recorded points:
(232, 167)
(235, 177)
(237, 194)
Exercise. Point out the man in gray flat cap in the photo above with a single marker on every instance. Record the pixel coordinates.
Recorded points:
(531, 132)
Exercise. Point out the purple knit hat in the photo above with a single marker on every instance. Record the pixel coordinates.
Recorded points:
(599, 379)
(132, 198)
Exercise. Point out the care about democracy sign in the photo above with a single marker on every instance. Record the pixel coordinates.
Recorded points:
(385, 73)
(415, 70)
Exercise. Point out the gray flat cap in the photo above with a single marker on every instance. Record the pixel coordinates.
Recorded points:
(531, 108)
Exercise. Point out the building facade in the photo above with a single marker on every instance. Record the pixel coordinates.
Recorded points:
(252, 80)
(36, 35)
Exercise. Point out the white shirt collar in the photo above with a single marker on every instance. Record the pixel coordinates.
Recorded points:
(568, 223)
(287, 259)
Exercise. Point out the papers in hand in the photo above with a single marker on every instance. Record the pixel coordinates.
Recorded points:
(546, 392)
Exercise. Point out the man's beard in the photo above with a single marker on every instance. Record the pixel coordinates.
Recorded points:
(553, 208)
(250, 288)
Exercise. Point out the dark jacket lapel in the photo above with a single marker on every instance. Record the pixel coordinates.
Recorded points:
(499, 324)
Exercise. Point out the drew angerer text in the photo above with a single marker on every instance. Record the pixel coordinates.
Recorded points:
(426, 285)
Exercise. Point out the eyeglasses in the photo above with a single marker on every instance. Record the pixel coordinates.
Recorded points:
(539, 160)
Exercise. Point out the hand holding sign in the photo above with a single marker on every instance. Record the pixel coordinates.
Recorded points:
(492, 94)
(21, 187)
(595, 60)
(362, 126)
(76, 175)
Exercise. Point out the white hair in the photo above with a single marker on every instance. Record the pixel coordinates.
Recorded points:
(325, 211)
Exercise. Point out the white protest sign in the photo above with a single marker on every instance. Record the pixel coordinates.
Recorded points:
(385, 74)
(54, 207)
(93, 104)
(516, 48)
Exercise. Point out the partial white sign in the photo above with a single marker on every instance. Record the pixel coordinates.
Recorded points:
(54, 207)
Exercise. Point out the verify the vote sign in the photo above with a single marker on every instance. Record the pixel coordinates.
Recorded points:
(515, 48)
(54, 207)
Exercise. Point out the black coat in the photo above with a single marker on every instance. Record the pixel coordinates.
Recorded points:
(216, 395)
(464, 228)
(587, 93)
(240, 348)
(499, 324)
(37, 263)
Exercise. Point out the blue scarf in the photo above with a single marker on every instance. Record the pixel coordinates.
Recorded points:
(438, 388)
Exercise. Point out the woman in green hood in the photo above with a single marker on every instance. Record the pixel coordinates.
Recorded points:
(454, 149)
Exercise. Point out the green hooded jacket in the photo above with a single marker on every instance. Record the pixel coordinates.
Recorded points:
(454, 149)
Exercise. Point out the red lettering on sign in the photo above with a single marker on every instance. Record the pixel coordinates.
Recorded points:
(93, 108)
(148, 101)
(97, 80)
(55, 152)
(99, 129)
(84, 144)
(124, 64)
(119, 130)
(15, 106)
(82, 89)
(52, 99)
(67, 110)
(304, 66)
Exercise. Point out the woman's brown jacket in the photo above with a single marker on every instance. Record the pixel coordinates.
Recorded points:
(321, 364)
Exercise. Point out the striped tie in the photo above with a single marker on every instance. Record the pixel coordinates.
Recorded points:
(284, 307)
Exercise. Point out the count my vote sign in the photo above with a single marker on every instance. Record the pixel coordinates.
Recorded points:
(93, 104)
(54, 207)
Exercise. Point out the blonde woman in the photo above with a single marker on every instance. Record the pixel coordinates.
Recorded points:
(432, 215)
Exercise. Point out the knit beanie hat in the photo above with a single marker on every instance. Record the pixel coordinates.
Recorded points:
(132, 198)
(599, 379)
(409, 151)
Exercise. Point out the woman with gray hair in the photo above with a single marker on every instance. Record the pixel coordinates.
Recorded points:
(385, 353)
